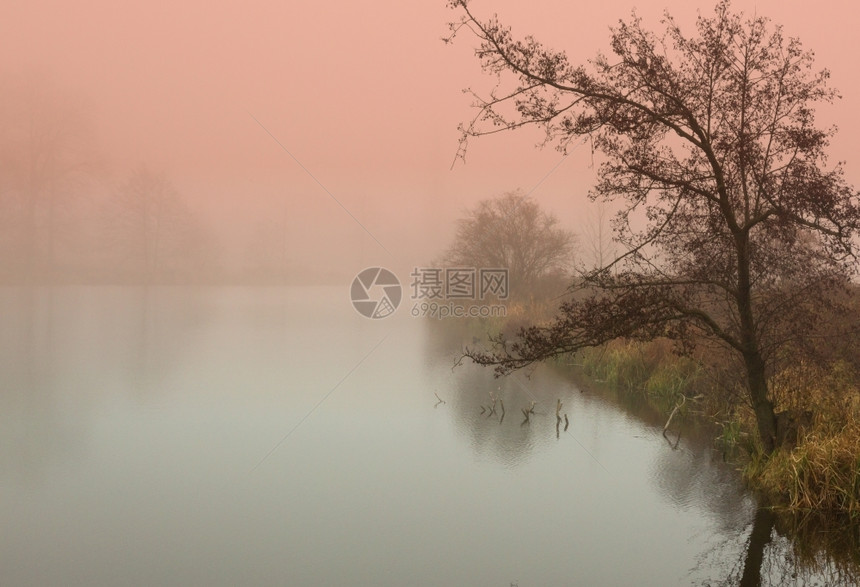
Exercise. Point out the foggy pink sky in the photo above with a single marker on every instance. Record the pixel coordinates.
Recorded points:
(365, 95)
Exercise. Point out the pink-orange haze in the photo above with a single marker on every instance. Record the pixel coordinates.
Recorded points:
(327, 130)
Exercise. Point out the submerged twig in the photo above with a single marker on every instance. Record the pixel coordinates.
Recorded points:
(672, 415)
(674, 445)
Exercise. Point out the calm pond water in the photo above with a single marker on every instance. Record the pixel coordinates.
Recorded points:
(233, 436)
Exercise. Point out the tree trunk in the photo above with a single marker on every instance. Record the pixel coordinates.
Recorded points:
(755, 367)
(762, 406)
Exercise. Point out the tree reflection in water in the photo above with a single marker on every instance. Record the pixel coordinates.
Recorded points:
(782, 548)
(754, 545)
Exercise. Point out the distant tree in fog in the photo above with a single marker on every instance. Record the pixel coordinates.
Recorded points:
(512, 232)
(151, 232)
(46, 156)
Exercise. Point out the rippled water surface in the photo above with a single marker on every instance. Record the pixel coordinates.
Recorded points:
(234, 436)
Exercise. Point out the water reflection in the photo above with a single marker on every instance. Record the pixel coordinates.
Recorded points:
(154, 329)
(65, 349)
(35, 427)
(780, 548)
(760, 536)
(488, 430)
(744, 544)
(507, 418)
(129, 419)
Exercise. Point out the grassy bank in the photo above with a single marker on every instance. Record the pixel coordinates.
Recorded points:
(817, 468)
(648, 370)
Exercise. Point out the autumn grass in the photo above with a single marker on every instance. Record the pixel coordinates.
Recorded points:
(646, 369)
(821, 471)
(519, 313)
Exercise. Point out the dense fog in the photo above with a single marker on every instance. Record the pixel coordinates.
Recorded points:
(279, 142)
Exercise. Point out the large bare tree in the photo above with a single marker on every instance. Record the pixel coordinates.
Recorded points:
(734, 226)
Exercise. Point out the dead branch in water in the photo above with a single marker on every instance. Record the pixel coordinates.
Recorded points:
(673, 445)
(672, 415)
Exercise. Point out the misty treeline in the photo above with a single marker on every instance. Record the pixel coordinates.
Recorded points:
(70, 215)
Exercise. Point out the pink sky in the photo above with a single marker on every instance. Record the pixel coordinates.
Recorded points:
(365, 95)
